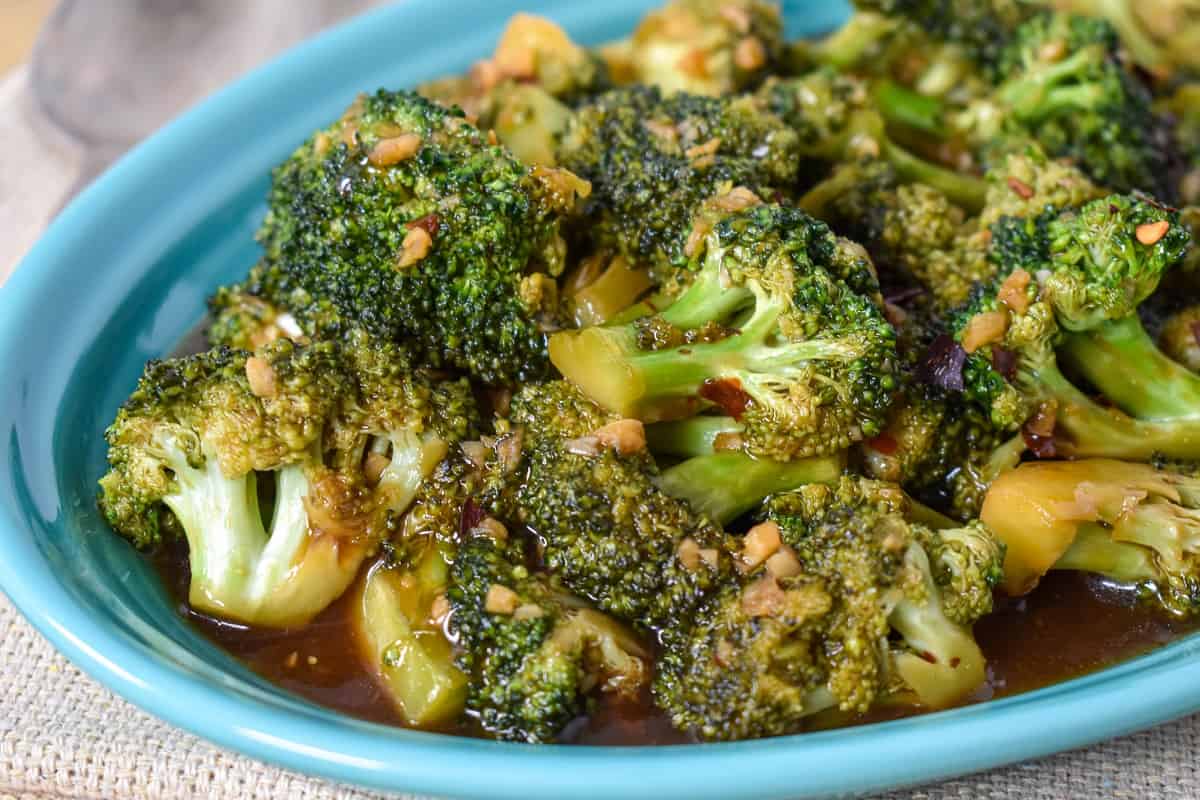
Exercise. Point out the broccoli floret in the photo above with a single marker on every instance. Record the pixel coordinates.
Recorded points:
(653, 160)
(808, 370)
(605, 526)
(1160, 36)
(534, 652)
(1100, 261)
(706, 47)
(918, 237)
(244, 321)
(939, 581)
(345, 443)
(1059, 84)
(401, 220)
(845, 603)
(836, 120)
(1128, 522)
(982, 28)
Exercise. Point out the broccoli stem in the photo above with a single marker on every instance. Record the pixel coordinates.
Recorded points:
(414, 663)
(241, 571)
(963, 190)
(617, 288)
(850, 44)
(724, 486)
(224, 531)
(1094, 550)
(705, 300)
(653, 385)
(696, 436)
(413, 458)
(901, 105)
(1121, 360)
(1036, 94)
(942, 662)
(1085, 429)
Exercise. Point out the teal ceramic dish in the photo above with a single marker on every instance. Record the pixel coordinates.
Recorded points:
(123, 274)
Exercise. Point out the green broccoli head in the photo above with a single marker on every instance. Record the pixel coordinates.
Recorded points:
(1160, 36)
(1109, 256)
(653, 160)
(781, 328)
(840, 118)
(611, 533)
(401, 220)
(534, 652)
(189, 447)
(1078, 270)
(749, 669)
(1027, 183)
(843, 602)
(982, 28)
(1060, 83)
(929, 585)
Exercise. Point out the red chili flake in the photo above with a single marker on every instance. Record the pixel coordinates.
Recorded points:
(884, 443)
(429, 223)
(472, 515)
(1004, 362)
(954, 662)
(928, 656)
(1020, 187)
(1196, 332)
(726, 393)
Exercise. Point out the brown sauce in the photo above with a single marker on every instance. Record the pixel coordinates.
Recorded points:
(1069, 626)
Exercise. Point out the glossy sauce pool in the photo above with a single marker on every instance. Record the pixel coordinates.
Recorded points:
(1069, 626)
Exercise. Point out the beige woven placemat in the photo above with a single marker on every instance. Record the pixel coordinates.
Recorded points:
(64, 736)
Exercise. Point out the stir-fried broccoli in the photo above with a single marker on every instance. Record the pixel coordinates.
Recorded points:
(1059, 84)
(982, 28)
(397, 620)
(344, 440)
(918, 238)
(1128, 522)
(705, 47)
(533, 651)
(653, 160)
(401, 220)
(778, 328)
(702, 368)
(1162, 36)
(586, 488)
(837, 121)
(1097, 264)
(845, 602)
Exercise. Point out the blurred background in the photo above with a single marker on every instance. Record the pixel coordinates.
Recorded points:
(82, 81)
(19, 20)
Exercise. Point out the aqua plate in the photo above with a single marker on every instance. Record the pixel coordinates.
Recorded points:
(124, 272)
